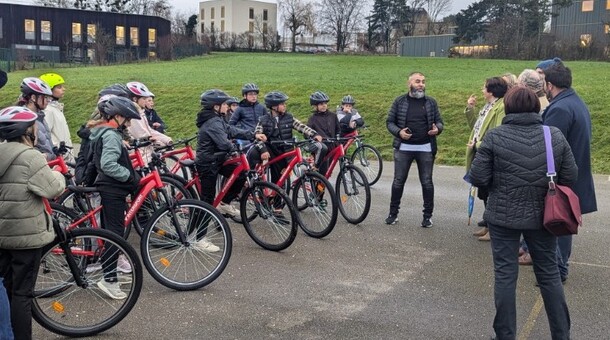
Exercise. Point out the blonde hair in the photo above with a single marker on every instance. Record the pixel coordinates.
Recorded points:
(510, 79)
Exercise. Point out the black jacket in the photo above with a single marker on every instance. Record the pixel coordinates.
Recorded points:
(326, 124)
(397, 119)
(214, 138)
(246, 115)
(511, 163)
(153, 117)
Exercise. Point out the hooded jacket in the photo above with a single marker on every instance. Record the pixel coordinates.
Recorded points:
(58, 126)
(213, 139)
(247, 114)
(115, 172)
(25, 178)
(345, 118)
(44, 143)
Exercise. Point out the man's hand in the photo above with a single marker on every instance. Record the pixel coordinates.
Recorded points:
(405, 133)
(261, 137)
(434, 130)
(265, 156)
(318, 138)
(352, 124)
(156, 125)
(472, 101)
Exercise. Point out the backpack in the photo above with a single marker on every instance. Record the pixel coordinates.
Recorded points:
(85, 170)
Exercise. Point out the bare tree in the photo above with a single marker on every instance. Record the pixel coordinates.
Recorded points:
(53, 3)
(342, 18)
(436, 9)
(103, 44)
(298, 17)
(160, 8)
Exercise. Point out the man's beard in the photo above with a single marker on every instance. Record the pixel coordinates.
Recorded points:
(549, 96)
(415, 93)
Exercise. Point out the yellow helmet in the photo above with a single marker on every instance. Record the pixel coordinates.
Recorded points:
(53, 79)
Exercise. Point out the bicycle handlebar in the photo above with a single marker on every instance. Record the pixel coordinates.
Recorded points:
(62, 149)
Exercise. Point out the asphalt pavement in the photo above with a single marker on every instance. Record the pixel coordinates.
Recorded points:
(375, 281)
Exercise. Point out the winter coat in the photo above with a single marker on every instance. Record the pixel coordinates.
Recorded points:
(345, 118)
(326, 124)
(153, 117)
(511, 164)
(281, 129)
(140, 129)
(246, 115)
(397, 119)
(44, 143)
(214, 138)
(25, 178)
(492, 119)
(58, 126)
(569, 114)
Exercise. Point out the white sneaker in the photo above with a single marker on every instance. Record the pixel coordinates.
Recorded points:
(123, 265)
(93, 267)
(207, 246)
(227, 209)
(112, 289)
(124, 279)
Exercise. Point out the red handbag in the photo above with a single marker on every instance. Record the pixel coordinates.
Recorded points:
(562, 214)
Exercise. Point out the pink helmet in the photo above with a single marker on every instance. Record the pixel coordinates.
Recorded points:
(139, 90)
(15, 120)
(33, 85)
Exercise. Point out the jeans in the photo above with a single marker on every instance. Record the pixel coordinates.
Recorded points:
(19, 268)
(564, 250)
(113, 219)
(402, 164)
(542, 246)
(6, 331)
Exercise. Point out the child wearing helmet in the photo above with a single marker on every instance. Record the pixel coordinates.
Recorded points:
(249, 110)
(232, 105)
(26, 181)
(115, 180)
(36, 95)
(325, 123)
(54, 113)
(348, 116)
(154, 120)
(213, 146)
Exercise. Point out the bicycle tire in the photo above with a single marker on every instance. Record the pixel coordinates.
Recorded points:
(154, 201)
(170, 161)
(271, 228)
(368, 159)
(192, 190)
(71, 200)
(353, 207)
(71, 309)
(167, 259)
(63, 214)
(313, 192)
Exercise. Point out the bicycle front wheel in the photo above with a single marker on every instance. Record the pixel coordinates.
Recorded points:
(318, 200)
(368, 159)
(354, 194)
(268, 216)
(63, 307)
(197, 260)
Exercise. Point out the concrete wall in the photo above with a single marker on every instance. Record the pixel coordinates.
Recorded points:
(426, 46)
(236, 15)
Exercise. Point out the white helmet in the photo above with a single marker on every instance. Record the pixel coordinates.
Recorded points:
(139, 90)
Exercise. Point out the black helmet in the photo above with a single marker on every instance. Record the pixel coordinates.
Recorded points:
(250, 87)
(318, 97)
(33, 85)
(231, 101)
(15, 121)
(117, 90)
(348, 100)
(119, 106)
(275, 98)
(213, 97)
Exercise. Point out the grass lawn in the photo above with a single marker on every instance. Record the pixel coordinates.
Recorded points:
(374, 81)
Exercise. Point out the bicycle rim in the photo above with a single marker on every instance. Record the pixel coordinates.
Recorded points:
(354, 194)
(368, 159)
(316, 195)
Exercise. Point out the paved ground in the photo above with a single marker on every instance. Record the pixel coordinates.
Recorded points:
(375, 281)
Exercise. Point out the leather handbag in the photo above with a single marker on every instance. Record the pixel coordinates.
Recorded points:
(561, 205)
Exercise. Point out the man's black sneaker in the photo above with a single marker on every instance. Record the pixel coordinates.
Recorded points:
(392, 219)
(426, 222)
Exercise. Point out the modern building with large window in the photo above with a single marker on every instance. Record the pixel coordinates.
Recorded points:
(585, 21)
(237, 16)
(59, 34)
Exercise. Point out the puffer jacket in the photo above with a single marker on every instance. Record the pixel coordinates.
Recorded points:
(44, 143)
(511, 163)
(25, 178)
(247, 114)
(213, 138)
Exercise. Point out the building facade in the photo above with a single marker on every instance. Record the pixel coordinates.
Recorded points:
(237, 16)
(60, 34)
(585, 21)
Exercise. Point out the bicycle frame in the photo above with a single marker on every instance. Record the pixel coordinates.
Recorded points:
(297, 158)
(186, 152)
(338, 153)
(242, 165)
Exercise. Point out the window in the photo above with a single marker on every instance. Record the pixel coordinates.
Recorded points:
(202, 16)
(251, 15)
(30, 29)
(587, 5)
(585, 40)
(45, 30)
(222, 25)
(91, 32)
(607, 4)
(222, 11)
(251, 27)
(265, 27)
(212, 26)
(134, 39)
(120, 35)
(607, 29)
(76, 32)
(152, 37)
(91, 54)
(265, 14)
(1, 34)
(212, 13)
(202, 27)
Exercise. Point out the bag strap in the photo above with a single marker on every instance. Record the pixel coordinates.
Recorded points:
(550, 160)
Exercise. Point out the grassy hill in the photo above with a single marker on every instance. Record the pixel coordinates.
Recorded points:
(373, 80)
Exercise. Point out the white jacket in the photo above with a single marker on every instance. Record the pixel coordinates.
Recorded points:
(140, 129)
(58, 126)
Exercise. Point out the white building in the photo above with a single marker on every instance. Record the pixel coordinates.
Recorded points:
(237, 16)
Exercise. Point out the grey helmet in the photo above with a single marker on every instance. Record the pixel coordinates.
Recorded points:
(318, 97)
(275, 98)
(115, 89)
(250, 87)
(213, 97)
(119, 106)
(231, 101)
(348, 100)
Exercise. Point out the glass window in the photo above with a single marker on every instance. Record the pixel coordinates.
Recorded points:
(222, 25)
(30, 29)
(90, 54)
(45, 30)
(607, 4)
(251, 15)
(120, 35)
(585, 40)
(202, 27)
(251, 27)
(134, 38)
(607, 29)
(265, 14)
(202, 16)
(212, 26)
(264, 27)
(76, 32)
(587, 5)
(1, 34)
(222, 11)
(152, 37)
(91, 32)
(212, 13)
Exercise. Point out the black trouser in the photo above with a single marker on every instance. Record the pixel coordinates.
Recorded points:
(19, 268)
(113, 219)
(276, 168)
(208, 176)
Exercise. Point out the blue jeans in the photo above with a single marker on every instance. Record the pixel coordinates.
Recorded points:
(564, 250)
(542, 247)
(6, 331)
(402, 165)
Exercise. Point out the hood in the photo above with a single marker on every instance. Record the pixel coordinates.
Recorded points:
(84, 132)
(203, 116)
(97, 131)
(9, 152)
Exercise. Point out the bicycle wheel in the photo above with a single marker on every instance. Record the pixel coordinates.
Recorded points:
(170, 162)
(192, 190)
(63, 307)
(354, 194)
(76, 202)
(63, 215)
(275, 224)
(315, 194)
(368, 159)
(197, 261)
